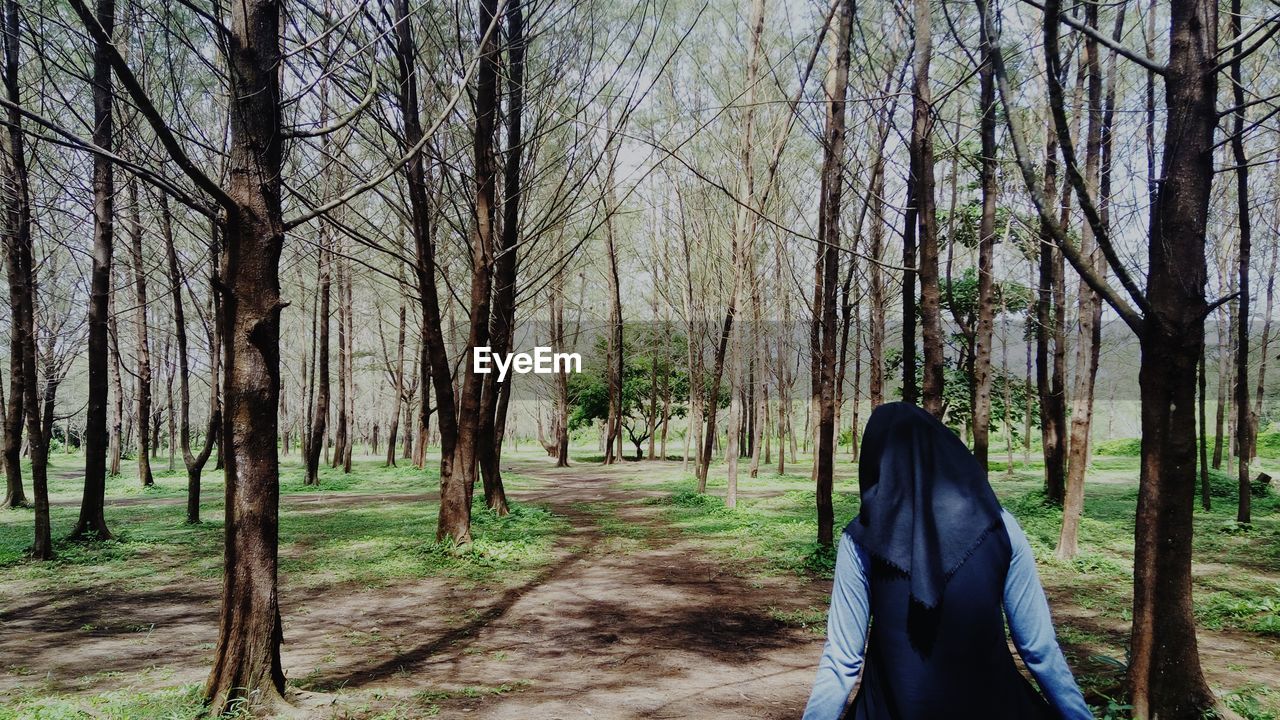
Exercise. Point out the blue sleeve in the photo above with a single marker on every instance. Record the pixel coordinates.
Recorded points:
(841, 663)
(1030, 625)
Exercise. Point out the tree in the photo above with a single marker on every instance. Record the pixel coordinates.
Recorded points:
(1165, 676)
(247, 665)
(91, 521)
(828, 267)
(193, 462)
(22, 295)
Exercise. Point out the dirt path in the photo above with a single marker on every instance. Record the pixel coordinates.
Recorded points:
(647, 628)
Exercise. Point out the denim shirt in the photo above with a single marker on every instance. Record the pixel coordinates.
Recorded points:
(1026, 611)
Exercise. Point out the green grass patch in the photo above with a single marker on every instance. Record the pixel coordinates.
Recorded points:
(179, 703)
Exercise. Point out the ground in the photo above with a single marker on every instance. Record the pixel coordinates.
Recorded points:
(611, 592)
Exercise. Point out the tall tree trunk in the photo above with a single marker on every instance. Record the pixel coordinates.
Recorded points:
(1264, 343)
(246, 665)
(457, 488)
(984, 330)
(320, 415)
(560, 429)
(502, 328)
(433, 362)
(194, 463)
(1050, 348)
(398, 387)
(1206, 500)
(1244, 417)
(927, 214)
(91, 523)
(116, 441)
(349, 374)
(21, 269)
(743, 247)
(615, 347)
(875, 340)
(1097, 173)
(829, 261)
(341, 426)
(1164, 669)
(143, 342)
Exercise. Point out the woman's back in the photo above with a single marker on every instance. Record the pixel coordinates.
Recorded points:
(951, 662)
(926, 575)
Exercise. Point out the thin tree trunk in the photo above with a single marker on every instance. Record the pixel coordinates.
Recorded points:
(91, 523)
(398, 387)
(194, 463)
(1264, 343)
(743, 247)
(21, 269)
(926, 216)
(1205, 496)
(1244, 418)
(320, 415)
(983, 332)
(1050, 348)
(143, 349)
(116, 442)
(1088, 341)
(829, 259)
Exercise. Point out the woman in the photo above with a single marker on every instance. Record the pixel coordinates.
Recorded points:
(921, 576)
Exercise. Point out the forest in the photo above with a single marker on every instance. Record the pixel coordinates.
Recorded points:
(254, 250)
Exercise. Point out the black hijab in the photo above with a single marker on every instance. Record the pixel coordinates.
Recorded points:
(926, 504)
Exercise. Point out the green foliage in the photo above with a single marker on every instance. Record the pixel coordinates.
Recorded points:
(964, 222)
(1248, 702)
(652, 352)
(1123, 447)
(1268, 446)
(1256, 612)
(956, 395)
(960, 295)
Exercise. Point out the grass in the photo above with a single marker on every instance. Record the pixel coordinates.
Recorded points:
(180, 703)
(372, 528)
(337, 536)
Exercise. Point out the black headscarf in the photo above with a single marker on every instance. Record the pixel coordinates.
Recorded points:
(926, 504)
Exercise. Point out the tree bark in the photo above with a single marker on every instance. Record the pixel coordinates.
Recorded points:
(398, 387)
(828, 262)
(194, 463)
(116, 441)
(320, 415)
(743, 246)
(21, 269)
(143, 342)
(1050, 345)
(247, 665)
(986, 255)
(921, 146)
(1089, 337)
(457, 488)
(502, 327)
(91, 523)
(1164, 669)
(1244, 415)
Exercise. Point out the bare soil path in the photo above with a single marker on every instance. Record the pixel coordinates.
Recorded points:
(635, 627)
